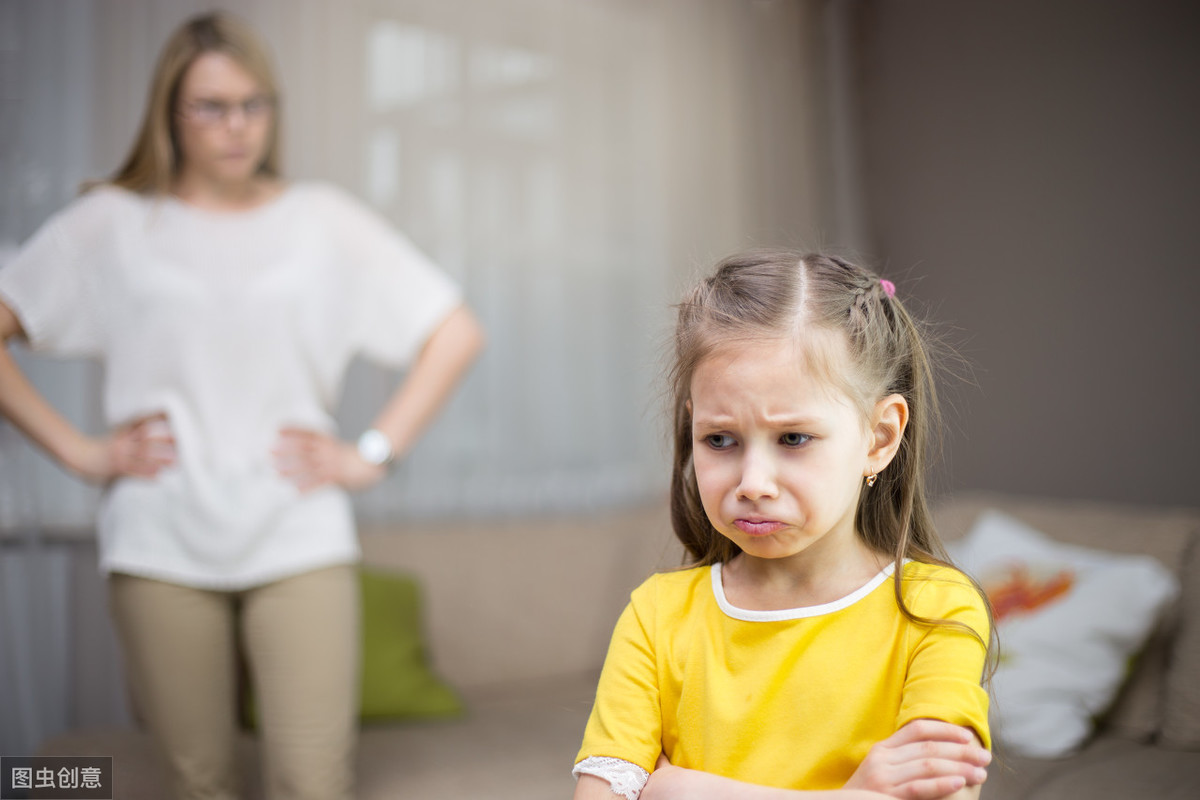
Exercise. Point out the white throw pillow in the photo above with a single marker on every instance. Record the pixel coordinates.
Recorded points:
(1069, 618)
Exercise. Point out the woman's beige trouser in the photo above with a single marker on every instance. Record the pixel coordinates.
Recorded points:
(301, 640)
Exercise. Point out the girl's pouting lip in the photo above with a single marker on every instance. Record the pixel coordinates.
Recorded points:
(755, 527)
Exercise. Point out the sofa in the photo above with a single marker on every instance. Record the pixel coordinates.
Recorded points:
(1147, 743)
(518, 615)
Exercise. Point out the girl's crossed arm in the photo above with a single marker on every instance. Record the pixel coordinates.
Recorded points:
(924, 760)
(688, 784)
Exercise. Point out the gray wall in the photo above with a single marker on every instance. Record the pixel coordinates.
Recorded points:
(1030, 170)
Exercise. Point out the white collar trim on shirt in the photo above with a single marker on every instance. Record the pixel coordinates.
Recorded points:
(751, 615)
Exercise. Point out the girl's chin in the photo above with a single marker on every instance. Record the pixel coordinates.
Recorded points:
(768, 547)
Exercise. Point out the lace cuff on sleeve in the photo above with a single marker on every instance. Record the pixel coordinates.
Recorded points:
(625, 778)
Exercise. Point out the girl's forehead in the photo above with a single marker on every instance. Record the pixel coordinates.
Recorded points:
(823, 354)
(817, 363)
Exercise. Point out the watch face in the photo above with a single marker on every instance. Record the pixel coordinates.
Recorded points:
(374, 447)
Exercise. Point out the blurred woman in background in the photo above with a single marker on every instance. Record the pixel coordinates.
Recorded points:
(226, 304)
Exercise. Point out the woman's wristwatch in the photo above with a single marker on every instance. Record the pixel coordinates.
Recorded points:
(374, 447)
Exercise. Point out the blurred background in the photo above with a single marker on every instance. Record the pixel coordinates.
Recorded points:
(1025, 171)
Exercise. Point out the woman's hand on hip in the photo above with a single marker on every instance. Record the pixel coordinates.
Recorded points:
(141, 448)
(311, 459)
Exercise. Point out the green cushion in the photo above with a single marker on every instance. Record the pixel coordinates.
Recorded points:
(397, 681)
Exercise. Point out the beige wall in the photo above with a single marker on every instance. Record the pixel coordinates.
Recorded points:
(1031, 171)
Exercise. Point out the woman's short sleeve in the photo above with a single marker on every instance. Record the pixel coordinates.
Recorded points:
(52, 288)
(398, 295)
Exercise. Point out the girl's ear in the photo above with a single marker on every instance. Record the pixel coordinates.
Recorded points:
(888, 421)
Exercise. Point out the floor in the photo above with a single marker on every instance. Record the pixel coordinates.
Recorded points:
(518, 741)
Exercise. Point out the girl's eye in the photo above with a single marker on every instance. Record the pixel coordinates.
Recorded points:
(794, 439)
(719, 441)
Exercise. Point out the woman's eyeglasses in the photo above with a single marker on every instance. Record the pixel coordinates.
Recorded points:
(214, 112)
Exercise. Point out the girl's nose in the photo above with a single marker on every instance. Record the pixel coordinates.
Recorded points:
(758, 478)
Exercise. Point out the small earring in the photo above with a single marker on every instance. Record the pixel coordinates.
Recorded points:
(872, 478)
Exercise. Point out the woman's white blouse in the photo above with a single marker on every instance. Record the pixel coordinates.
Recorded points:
(235, 324)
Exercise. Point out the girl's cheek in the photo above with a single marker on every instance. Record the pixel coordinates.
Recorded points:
(711, 490)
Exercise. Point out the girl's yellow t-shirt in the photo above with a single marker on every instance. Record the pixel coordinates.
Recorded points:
(792, 698)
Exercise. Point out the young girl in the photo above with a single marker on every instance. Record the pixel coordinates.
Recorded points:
(820, 643)
(226, 304)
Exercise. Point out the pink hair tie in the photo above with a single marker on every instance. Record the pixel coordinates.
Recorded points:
(889, 288)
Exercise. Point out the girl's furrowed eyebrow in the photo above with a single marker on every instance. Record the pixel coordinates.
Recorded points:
(796, 424)
(793, 421)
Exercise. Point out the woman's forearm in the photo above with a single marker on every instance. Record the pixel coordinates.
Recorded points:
(28, 411)
(435, 373)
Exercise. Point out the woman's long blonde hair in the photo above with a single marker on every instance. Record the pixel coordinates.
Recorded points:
(154, 160)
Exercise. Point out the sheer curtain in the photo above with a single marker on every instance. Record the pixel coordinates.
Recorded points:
(571, 162)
